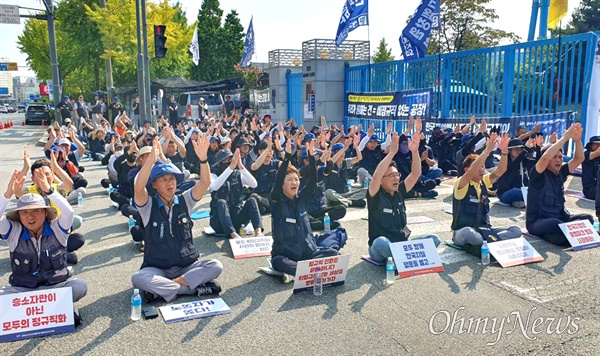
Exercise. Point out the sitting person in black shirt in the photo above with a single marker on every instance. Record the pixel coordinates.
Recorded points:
(546, 197)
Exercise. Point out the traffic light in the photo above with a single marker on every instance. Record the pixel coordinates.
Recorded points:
(159, 41)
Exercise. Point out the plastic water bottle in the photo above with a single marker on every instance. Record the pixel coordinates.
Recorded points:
(131, 222)
(349, 185)
(390, 268)
(366, 183)
(596, 224)
(327, 222)
(136, 305)
(79, 200)
(485, 254)
(318, 282)
(243, 230)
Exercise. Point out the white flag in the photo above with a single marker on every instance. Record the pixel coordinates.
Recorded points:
(194, 49)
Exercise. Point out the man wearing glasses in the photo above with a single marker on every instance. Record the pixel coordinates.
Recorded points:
(545, 197)
(385, 200)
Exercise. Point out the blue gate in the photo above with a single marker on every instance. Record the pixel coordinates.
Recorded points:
(520, 80)
(294, 96)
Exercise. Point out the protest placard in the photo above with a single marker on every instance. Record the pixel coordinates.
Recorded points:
(414, 257)
(514, 252)
(581, 234)
(194, 310)
(333, 269)
(251, 246)
(33, 314)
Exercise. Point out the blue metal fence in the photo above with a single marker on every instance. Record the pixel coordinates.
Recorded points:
(294, 93)
(519, 80)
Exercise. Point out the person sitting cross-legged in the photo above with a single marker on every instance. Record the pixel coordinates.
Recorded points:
(171, 265)
(385, 200)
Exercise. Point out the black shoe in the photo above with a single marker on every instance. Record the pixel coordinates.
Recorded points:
(105, 183)
(148, 297)
(334, 225)
(359, 203)
(209, 288)
(429, 194)
(77, 317)
(429, 184)
(81, 169)
(438, 181)
(452, 172)
(72, 258)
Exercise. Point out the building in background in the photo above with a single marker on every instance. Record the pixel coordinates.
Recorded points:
(26, 90)
(6, 87)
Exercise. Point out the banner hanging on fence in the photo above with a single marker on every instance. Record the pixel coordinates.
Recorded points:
(592, 124)
(415, 36)
(354, 14)
(390, 106)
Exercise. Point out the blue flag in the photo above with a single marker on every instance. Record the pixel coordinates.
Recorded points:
(415, 36)
(248, 47)
(354, 14)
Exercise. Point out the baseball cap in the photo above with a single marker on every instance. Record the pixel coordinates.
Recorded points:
(162, 169)
(64, 141)
(337, 147)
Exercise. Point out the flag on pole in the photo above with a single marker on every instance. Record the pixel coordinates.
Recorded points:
(415, 36)
(354, 14)
(558, 10)
(194, 48)
(248, 46)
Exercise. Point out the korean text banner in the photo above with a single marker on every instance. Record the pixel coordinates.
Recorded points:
(415, 36)
(248, 47)
(354, 14)
(389, 106)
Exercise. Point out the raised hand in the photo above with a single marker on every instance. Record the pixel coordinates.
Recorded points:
(14, 185)
(40, 180)
(288, 147)
(413, 144)
(577, 132)
(418, 125)
(201, 146)
(483, 127)
(155, 153)
(26, 160)
(235, 159)
(395, 144)
(539, 140)
(310, 147)
(504, 142)
(491, 142)
(553, 138)
(389, 128)
(371, 130)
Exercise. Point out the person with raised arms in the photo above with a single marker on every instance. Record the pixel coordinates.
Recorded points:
(171, 265)
(385, 200)
(470, 203)
(546, 194)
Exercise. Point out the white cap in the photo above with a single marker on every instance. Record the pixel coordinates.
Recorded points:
(136, 291)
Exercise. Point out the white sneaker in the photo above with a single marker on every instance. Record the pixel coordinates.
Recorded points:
(287, 278)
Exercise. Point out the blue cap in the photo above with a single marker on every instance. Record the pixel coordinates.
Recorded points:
(53, 148)
(146, 121)
(309, 136)
(338, 146)
(373, 138)
(405, 138)
(116, 98)
(287, 128)
(162, 169)
(466, 138)
(304, 152)
(448, 130)
(213, 139)
(65, 97)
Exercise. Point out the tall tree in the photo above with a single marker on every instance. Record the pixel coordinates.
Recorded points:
(465, 24)
(585, 18)
(220, 46)
(383, 52)
(209, 31)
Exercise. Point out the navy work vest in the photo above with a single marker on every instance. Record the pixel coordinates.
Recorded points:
(471, 211)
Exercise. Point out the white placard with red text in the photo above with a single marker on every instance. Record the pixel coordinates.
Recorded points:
(414, 257)
(33, 314)
(332, 268)
(251, 246)
(514, 252)
(581, 234)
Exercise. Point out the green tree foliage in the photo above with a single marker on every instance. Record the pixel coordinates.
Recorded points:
(383, 53)
(34, 43)
(585, 18)
(220, 46)
(465, 24)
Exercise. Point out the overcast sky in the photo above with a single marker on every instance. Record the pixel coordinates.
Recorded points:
(285, 24)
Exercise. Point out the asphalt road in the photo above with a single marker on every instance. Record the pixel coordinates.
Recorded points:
(361, 317)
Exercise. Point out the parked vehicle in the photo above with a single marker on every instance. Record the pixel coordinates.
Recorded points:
(11, 109)
(36, 113)
(3, 109)
(188, 102)
(21, 108)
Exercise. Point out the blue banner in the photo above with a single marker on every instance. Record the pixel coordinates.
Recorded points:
(389, 106)
(248, 46)
(415, 36)
(354, 14)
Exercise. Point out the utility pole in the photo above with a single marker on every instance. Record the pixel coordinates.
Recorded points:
(109, 77)
(140, 64)
(53, 58)
(147, 65)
